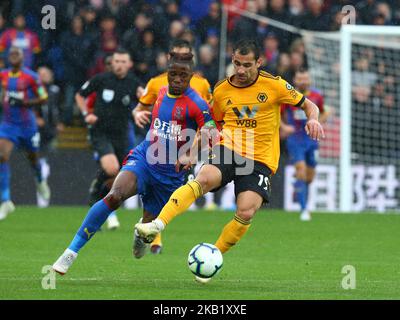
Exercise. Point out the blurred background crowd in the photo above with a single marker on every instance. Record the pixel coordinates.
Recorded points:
(89, 30)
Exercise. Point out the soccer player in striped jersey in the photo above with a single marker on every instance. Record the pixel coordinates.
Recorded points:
(155, 168)
(21, 89)
(302, 150)
(149, 97)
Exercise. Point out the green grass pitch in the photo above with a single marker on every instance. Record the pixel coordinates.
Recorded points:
(279, 258)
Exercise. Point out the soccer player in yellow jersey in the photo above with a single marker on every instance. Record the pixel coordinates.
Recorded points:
(142, 112)
(248, 103)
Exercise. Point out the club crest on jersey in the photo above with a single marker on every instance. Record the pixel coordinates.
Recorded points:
(178, 113)
(262, 97)
(108, 95)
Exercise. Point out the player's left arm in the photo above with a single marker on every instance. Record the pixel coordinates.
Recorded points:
(313, 126)
(207, 130)
(40, 92)
(289, 95)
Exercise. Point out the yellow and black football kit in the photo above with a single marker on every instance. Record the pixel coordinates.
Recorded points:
(251, 119)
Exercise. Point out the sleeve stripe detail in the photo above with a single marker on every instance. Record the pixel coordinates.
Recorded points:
(145, 104)
(267, 75)
(301, 101)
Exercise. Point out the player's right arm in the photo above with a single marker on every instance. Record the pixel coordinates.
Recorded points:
(142, 112)
(87, 88)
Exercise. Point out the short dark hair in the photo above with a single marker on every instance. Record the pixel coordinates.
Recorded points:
(122, 51)
(179, 43)
(301, 70)
(181, 58)
(246, 46)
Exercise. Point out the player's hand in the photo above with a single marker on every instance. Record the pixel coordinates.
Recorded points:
(180, 166)
(142, 117)
(314, 129)
(186, 161)
(91, 119)
(184, 165)
(40, 122)
(210, 135)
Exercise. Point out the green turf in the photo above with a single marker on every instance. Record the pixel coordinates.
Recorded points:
(279, 258)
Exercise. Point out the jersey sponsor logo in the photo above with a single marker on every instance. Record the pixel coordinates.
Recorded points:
(22, 43)
(250, 113)
(262, 97)
(289, 86)
(126, 100)
(108, 95)
(15, 95)
(292, 90)
(167, 130)
(245, 111)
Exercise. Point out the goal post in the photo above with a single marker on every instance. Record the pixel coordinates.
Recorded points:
(349, 34)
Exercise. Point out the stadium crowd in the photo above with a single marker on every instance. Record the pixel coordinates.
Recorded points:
(89, 30)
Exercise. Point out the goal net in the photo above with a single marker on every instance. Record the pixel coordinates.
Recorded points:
(358, 72)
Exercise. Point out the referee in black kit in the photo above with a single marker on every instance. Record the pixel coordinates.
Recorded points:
(115, 98)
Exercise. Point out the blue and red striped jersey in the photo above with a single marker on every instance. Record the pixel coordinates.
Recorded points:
(175, 121)
(22, 85)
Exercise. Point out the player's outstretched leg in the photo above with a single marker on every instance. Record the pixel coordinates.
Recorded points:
(110, 166)
(6, 205)
(209, 177)
(124, 187)
(248, 202)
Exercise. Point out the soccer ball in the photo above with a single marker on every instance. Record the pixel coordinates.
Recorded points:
(205, 260)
